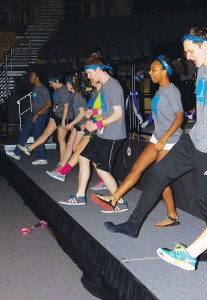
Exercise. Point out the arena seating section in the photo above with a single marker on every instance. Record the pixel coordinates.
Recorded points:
(122, 38)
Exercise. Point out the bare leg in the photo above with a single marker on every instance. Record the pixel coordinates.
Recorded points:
(51, 127)
(74, 139)
(147, 156)
(108, 179)
(69, 148)
(73, 161)
(61, 133)
(84, 173)
(199, 245)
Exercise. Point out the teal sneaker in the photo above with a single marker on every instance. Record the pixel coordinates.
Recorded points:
(178, 257)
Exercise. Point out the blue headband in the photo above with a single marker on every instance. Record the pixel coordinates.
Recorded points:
(54, 79)
(98, 65)
(166, 66)
(70, 79)
(193, 38)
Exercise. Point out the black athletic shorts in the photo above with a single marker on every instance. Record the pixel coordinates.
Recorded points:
(58, 121)
(102, 152)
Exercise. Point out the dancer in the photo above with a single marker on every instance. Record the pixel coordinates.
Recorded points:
(103, 146)
(58, 119)
(78, 138)
(168, 116)
(36, 119)
(190, 153)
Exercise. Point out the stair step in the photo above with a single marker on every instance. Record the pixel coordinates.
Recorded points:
(15, 73)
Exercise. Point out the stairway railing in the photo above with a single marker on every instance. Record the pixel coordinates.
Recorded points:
(3, 84)
(21, 113)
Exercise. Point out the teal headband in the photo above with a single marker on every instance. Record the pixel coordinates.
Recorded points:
(54, 79)
(70, 79)
(193, 38)
(103, 67)
(166, 66)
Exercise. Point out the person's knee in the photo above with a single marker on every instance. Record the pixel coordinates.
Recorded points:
(69, 146)
(83, 160)
(74, 148)
(137, 169)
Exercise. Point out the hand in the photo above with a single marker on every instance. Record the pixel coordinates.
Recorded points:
(91, 126)
(69, 127)
(83, 126)
(34, 119)
(88, 113)
(160, 145)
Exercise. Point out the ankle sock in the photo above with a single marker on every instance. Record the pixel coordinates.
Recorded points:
(66, 169)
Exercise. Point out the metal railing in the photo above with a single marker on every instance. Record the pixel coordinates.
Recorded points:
(3, 85)
(26, 110)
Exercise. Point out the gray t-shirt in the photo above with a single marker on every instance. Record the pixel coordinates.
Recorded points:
(77, 102)
(60, 97)
(198, 133)
(165, 103)
(112, 95)
(40, 96)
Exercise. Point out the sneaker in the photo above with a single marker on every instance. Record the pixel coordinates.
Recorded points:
(56, 175)
(178, 257)
(75, 199)
(120, 207)
(40, 162)
(12, 154)
(24, 149)
(99, 186)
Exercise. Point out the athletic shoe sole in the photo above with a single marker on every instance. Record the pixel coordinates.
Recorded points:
(114, 211)
(102, 203)
(71, 204)
(39, 164)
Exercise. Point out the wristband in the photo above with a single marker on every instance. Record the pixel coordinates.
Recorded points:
(95, 111)
(100, 124)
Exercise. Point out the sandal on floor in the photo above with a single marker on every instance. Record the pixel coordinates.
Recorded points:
(74, 199)
(103, 201)
(168, 221)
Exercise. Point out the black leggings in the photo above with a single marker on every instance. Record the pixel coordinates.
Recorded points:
(182, 158)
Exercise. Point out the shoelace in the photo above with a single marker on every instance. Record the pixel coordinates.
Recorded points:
(179, 247)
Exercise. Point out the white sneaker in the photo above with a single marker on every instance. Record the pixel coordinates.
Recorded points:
(12, 154)
(40, 162)
(57, 175)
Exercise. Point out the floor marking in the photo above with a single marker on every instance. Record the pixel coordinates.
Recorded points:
(138, 259)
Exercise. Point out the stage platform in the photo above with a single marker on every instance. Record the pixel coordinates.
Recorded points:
(127, 268)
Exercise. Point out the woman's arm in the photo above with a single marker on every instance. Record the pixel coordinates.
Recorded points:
(174, 126)
(65, 113)
(77, 119)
